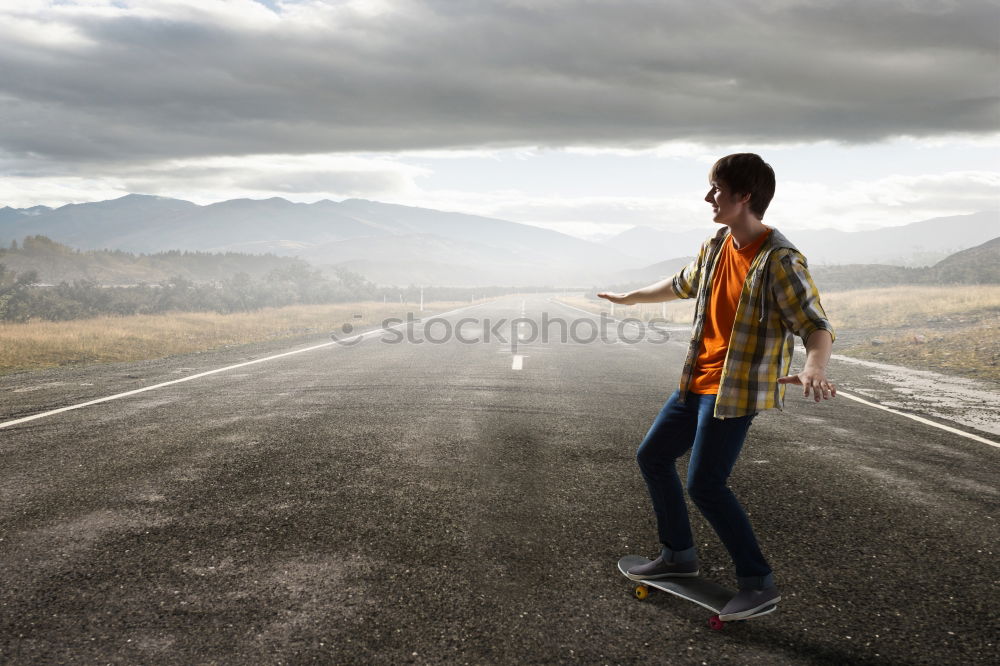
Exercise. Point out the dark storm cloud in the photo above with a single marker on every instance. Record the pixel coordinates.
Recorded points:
(475, 74)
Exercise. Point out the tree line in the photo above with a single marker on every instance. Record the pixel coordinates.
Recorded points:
(23, 299)
(57, 263)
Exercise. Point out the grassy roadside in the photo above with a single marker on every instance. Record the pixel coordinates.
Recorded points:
(967, 350)
(954, 330)
(890, 307)
(45, 344)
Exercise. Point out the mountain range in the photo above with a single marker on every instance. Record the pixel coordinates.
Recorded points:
(387, 243)
(394, 244)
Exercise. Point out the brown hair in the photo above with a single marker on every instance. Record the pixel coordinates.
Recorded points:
(746, 173)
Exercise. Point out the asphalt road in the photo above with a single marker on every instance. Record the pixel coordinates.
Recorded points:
(387, 503)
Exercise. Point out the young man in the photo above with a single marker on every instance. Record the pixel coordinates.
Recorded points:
(754, 294)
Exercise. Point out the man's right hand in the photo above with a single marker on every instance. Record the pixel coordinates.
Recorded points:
(659, 292)
(618, 298)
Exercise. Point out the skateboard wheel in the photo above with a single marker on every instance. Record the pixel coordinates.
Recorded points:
(715, 623)
(641, 592)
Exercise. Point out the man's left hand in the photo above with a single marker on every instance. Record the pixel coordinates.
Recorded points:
(814, 380)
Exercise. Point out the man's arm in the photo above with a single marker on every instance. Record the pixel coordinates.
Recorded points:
(813, 376)
(655, 293)
(682, 285)
(796, 296)
(800, 309)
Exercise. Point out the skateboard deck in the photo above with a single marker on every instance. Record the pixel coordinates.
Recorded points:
(706, 594)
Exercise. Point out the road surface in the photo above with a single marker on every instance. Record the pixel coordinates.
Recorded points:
(464, 503)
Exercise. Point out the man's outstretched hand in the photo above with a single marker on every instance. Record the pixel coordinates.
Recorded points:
(814, 380)
(618, 298)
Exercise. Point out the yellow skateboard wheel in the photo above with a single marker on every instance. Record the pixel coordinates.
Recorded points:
(641, 591)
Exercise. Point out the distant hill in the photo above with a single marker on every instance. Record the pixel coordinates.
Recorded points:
(918, 244)
(471, 250)
(13, 214)
(630, 279)
(55, 263)
(977, 265)
(89, 226)
(862, 276)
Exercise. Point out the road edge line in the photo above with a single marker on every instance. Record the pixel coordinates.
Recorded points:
(126, 394)
(919, 419)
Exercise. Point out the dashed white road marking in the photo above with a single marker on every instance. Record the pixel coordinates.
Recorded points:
(117, 396)
(518, 362)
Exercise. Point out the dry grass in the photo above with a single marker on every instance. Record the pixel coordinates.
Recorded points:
(970, 351)
(43, 344)
(954, 330)
(909, 306)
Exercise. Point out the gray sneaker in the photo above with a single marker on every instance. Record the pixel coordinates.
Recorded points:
(749, 602)
(660, 569)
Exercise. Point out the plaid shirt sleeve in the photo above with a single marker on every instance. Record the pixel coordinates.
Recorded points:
(686, 281)
(797, 297)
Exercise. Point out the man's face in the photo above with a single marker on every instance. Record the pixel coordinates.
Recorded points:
(726, 207)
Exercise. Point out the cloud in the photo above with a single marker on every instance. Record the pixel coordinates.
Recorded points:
(885, 202)
(306, 176)
(97, 82)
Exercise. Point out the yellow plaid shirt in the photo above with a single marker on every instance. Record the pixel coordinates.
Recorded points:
(779, 300)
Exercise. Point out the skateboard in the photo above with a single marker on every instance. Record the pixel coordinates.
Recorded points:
(705, 593)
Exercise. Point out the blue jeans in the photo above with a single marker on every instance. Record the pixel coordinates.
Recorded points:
(715, 445)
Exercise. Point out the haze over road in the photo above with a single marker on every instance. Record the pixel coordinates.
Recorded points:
(458, 502)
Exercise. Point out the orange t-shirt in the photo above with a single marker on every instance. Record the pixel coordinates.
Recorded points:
(727, 283)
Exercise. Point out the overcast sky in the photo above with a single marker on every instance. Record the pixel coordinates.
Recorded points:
(584, 116)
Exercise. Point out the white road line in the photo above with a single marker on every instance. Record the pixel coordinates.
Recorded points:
(920, 419)
(518, 362)
(212, 372)
(573, 307)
